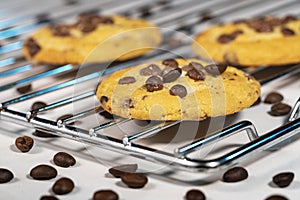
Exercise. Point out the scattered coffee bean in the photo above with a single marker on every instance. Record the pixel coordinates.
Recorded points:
(63, 186)
(105, 195)
(276, 197)
(43, 134)
(5, 175)
(178, 90)
(150, 70)
(134, 180)
(24, 89)
(38, 104)
(273, 97)
(196, 65)
(127, 80)
(24, 144)
(63, 159)
(48, 197)
(154, 83)
(120, 170)
(170, 63)
(196, 75)
(195, 195)
(283, 179)
(33, 46)
(172, 75)
(235, 174)
(280, 109)
(216, 69)
(43, 172)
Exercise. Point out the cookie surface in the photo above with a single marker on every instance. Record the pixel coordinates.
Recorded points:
(253, 42)
(93, 38)
(177, 90)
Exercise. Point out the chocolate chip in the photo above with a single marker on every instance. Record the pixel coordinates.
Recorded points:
(33, 46)
(24, 144)
(88, 22)
(134, 180)
(196, 75)
(64, 159)
(287, 31)
(283, 179)
(235, 174)
(280, 109)
(86, 27)
(276, 197)
(170, 63)
(24, 89)
(63, 186)
(43, 134)
(60, 30)
(150, 70)
(273, 97)
(38, 104)
(127, 80)
(5, 175)
(225, 38)
(154, 83)
(120, 170)
(215, 69)
(195, 195)
(128, 103)
(48, 197)
(172, 75)
(105, 195)
(43, 172)
(178, 90)
(196, 65)
(103, 99)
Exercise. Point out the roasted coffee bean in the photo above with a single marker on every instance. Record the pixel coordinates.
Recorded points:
(120, 170)
(154, 83)
(215, 69)
(103, 99)
(60, 30)
(33, 46)
(134, 180)
(273, 97)
(43, 172)
(48, 197)
(24, 89)
(105, 195)
(196, 75)
(178, 90)
(195, 195)
(287, 32)
(276, 197)
(150, 70)
(5, 175)
(235, 174)
(38, 104)
(283, 179)
(63, 186)
(127, 80)
(64, 159)
(172, 75)
(196, 65)
(280, 109)
(187, 68)
(24, 143)
(43, 134)
(170, 63)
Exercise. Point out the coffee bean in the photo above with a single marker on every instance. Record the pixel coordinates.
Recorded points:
(24, 143)
(33, 46)
(43, 134)
(154, 83)
(5, 175)
(38, 104)
(273, 97)
(235, 174)
(276, 197)
(134, 180)
(63, 159)
(215, 69)
(105, 195)
(283, 179)
(195, 195)
(280, 109)
(48, 197)
(127, 80)
(63, 186)
(170, 63)
(196, 65)
(120, 170)
(196, 75)
(178, 90)
(43, 172)
(187, 68)
(150, 70)
(287, 32)
(24, 89)
(172, 75)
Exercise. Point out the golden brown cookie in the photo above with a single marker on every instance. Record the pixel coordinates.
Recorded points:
(93, 38)
(177, 90)
(253, 42)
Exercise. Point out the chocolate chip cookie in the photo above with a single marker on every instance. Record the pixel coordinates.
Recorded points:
(177, 89)
(260, 41)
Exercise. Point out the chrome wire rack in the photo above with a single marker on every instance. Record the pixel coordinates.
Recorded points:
(56, 84)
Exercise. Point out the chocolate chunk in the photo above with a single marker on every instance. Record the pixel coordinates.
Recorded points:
(150, 70)
(105, 195)
(283, 179)
(63, 186)
(33, 46)
(38, 104)
(43, 134)
(24, 144)
(43, 172)
(64, 159)
(127, 80)
(280, 109)
(225, 38)
(154, 83)
(276, 197)
(60, 30)
(195, 195)
(48, 197)
(5, 175)
(196, 75)
(134, 180)
(235, 174)
(103, 99)
(273, 97)
(172, 75)
(170, 63)
(120, 170)
(24, 89)
(196, 65)
(215, 69)
(178, 90)
(89, 22)
(287, 31)
(128, 103)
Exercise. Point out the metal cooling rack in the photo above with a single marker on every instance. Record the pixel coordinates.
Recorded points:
(190, 17)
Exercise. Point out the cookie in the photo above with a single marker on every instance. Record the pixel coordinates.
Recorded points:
(177, 89)
(92, 38)
(266, 41)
